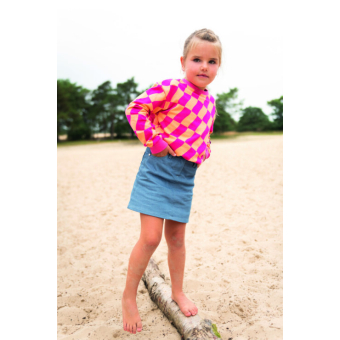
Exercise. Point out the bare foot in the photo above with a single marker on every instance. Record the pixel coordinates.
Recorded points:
(131, 319)
(187, 307)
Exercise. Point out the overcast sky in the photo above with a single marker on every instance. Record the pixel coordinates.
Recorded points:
(144, 39)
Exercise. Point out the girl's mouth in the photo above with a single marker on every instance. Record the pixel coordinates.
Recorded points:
(203, 75)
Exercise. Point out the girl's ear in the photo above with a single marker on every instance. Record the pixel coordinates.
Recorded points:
(182, 63)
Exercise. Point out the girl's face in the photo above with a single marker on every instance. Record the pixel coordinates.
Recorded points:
(201, 64)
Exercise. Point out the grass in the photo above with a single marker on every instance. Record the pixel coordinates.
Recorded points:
(225, 135)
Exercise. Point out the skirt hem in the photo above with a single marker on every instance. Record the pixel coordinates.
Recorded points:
(147, 212)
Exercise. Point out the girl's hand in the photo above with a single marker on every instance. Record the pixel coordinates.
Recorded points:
(198, 165)
(164, 152)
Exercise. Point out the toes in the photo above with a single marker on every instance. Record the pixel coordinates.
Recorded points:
(187, 313)
(192, 311)
(133, 328)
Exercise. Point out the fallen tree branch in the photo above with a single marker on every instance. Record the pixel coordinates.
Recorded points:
(192, 327)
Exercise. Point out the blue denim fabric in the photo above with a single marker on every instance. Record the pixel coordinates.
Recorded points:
(164, 187)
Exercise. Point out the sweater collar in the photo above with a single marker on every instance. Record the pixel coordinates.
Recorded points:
(197, 89)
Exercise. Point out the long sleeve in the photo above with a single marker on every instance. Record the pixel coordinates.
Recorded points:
(142, 116)
(208, 149)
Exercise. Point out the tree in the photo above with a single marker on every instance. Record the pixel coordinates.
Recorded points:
(126, 92)
(253, 119)
(63, 107)
(226, 107)
(102, 112)
(277, 114)
(233, 105)
(72, 105)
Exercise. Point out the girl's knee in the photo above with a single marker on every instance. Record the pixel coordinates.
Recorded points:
(175, 240)
(151, 242)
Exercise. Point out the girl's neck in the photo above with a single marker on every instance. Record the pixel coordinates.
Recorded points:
(197, 89)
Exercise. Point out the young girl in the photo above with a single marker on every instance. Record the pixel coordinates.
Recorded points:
(174, 120)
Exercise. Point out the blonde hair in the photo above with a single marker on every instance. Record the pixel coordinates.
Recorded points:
(203, 34)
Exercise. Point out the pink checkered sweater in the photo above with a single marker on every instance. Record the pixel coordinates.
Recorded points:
(177, 113)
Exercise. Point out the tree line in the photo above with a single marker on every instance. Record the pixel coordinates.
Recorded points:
(81, 112)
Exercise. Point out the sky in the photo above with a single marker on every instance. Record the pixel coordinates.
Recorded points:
(145, 39)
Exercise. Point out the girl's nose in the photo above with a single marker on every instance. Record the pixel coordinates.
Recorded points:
(204, 66)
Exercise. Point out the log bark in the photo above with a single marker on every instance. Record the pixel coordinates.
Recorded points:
(190, 328)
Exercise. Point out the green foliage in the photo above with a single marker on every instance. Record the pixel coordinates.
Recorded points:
(72, 107)
(214, 329)
(253, 119)
(127, 92)
(277, 114)
(232, 105)
(79, 131)
(103, 106)
(225, 104)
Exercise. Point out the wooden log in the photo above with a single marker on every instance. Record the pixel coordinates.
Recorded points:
(190, 328)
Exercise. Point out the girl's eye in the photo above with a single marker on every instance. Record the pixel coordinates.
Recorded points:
(196, 60)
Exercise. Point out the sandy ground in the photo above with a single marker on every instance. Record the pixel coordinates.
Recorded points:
(233, 240)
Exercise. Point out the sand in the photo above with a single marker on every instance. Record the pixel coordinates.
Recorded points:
(233, 240)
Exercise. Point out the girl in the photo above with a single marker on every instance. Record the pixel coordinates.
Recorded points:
(174, 120)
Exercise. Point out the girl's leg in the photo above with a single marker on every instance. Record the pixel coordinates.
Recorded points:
(150, 237)
(175, 237)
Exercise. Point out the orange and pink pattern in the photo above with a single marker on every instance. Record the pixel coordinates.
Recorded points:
(177, 113)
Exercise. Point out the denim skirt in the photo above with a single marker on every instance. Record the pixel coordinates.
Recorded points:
(164, 187)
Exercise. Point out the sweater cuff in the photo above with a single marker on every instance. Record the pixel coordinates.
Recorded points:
(207, 153)
(159, 146)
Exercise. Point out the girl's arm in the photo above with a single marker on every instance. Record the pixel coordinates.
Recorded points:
(142, 116)
(208, 149)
